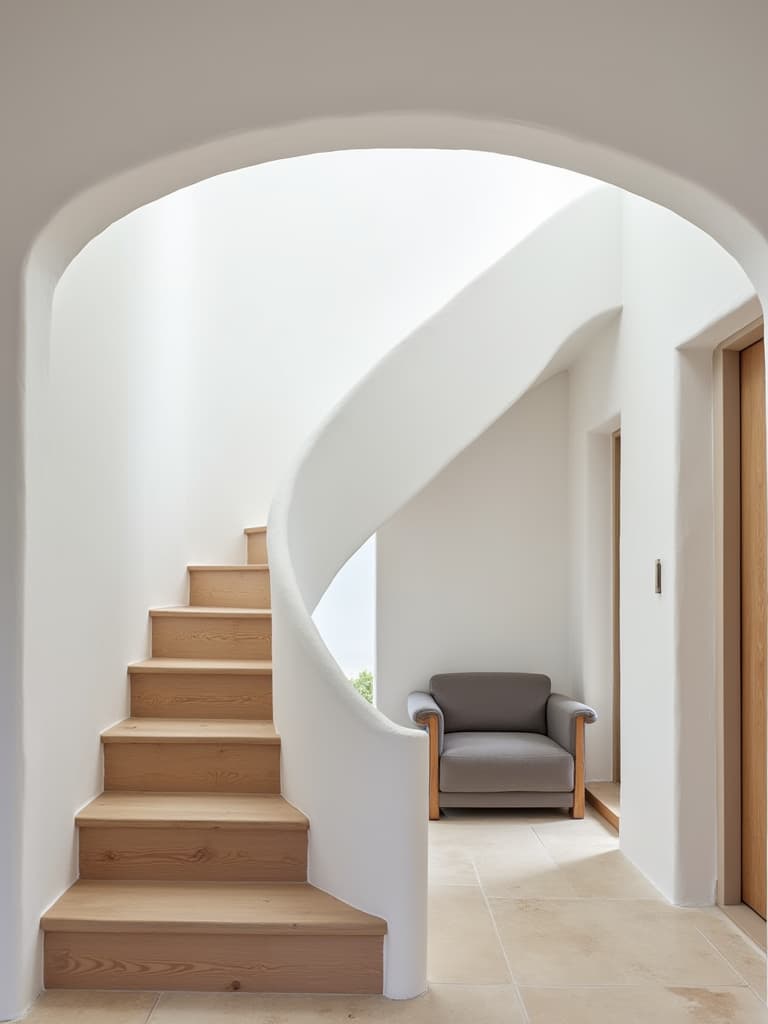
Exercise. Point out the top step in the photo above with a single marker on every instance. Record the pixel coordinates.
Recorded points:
(256, 540)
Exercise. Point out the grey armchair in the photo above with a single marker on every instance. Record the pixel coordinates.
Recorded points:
(502, 739)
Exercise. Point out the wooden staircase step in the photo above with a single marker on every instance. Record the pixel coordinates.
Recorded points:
(212, 632)
(192, 837)
(256, 544)
(172, 730)
(192, 755)
(203, 666)
(193, 810)
(209, 907)
(201, 688)
(231, 586)
(210, 937)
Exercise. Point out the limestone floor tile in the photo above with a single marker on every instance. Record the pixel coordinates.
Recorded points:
(591, 860)
(740, 952)
(606, 942)
(450, 864)
(607, 874)
(521, 867)
(463, 947)
(443, 1004)
(647, 1005)
(62, 1007)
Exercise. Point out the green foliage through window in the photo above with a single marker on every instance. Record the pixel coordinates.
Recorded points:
(364, 685)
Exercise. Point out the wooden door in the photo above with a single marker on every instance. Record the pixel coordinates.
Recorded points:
(754, 628)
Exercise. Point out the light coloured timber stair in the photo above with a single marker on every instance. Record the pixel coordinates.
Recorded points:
(268, 937)
(191, 755)
(192, 866)
(229, 586)
(211, 632)
(201, 688)
(192, 837)
(256, 544)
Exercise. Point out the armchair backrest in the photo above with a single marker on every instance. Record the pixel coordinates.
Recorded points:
(492, 701)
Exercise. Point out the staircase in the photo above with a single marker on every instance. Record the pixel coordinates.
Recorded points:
(193, 868)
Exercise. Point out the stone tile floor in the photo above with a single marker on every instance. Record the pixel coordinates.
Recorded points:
(534, 919)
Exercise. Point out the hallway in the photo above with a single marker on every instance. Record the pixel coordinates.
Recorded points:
(535, 919)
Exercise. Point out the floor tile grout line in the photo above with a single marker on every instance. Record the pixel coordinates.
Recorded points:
(512, 978)
(723, 957)
(153, 1007)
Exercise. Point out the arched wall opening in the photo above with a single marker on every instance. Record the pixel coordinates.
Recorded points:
(81, 219)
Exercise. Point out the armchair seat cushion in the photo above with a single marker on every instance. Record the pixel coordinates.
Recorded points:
(504, 762)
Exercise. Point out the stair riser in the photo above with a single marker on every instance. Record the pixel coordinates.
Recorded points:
(188, 636)
(233, 588)
(257, 548)
(192, 767)
(213, 963)
(200, 696)
(193, 854)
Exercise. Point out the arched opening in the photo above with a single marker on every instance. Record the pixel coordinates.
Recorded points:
(71, 227)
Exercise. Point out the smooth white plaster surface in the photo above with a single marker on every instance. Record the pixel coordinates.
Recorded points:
(473, 359)
(87, 137)
(473, 573)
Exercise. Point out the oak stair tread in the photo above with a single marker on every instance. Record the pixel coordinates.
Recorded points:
(195, 730)
(255, 529)
(203, 611)
(255, 567)
(255, 908)
(203, 666)
(192, 810)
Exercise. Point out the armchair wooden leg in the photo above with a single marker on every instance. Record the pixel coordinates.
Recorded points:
(434, 767)
(577, 811)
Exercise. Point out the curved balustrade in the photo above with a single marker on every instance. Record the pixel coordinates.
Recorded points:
(361, 779)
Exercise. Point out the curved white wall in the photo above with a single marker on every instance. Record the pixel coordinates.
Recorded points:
(428, 399)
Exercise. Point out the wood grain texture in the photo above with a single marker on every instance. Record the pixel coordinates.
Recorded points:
(208, 908)
(256, 545)
(192, 767)
(215, 695)
(754, 628)
(604, 797)
(193, 810)
(433, 732)
(214, 963)
(201, 730)
(235, 586)
(202, 854)
(616, 600)
(577, 811)
(202, 666)
(211, 633)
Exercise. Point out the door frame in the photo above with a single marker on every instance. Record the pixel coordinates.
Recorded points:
(727, 478)
(616, 598)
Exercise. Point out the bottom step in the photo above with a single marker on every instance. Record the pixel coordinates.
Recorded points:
(213, 937)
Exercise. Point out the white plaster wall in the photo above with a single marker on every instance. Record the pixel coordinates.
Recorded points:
(195, 345)
(473, 573)
(677, 284)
